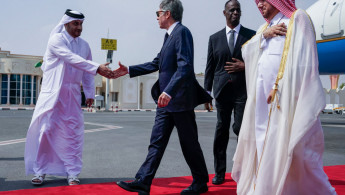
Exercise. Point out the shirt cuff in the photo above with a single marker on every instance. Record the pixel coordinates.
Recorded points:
(167, 94)
(95, 67)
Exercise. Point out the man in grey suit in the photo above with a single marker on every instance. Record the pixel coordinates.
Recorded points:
(225, 74)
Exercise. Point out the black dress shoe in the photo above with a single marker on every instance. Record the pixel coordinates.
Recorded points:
(195, 188)
(218, 179)
(135, 186)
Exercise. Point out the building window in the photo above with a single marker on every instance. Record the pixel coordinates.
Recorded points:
(26, 89)
(35, 90)
(14, 88)
(114, 96)
(4, 82)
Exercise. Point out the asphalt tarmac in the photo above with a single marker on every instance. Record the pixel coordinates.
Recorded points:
(116, 146)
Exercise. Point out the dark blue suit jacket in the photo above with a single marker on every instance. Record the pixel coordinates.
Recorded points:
(176, 72)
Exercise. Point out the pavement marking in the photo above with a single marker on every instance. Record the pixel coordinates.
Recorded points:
(104, 128)
(14, 141)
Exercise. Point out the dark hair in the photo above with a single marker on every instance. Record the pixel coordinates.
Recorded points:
(230, 1)
(175, 7)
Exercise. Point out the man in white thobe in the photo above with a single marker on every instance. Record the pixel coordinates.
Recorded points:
(54, 140)
(281, 142)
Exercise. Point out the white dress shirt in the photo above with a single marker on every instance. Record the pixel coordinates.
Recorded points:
(236, 29)
(171, 28)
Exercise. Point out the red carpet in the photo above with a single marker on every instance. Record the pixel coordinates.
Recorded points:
(168, 186)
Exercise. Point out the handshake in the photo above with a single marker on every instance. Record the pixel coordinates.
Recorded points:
(106, 72)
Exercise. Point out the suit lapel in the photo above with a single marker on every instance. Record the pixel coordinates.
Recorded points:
(224, 40)
(169, 38)
(239, 41)
(166, 43)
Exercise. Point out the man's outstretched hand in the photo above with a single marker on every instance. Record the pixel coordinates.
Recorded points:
(105, 71)
(122, 70)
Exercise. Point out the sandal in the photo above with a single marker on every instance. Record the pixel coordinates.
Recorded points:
(38, 179)
(73, 180)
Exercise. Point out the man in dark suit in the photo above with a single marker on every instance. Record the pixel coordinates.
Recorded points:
(225, 71)
(177, 93)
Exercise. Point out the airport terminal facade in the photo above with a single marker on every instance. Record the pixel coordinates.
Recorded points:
(20, 86)
(20, 80)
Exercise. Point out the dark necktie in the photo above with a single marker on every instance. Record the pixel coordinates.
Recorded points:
(166, 37)
(231, 42)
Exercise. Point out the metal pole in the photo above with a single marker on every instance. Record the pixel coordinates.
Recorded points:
(107, 81)
(107, 94)
(107, 84)
(109, 60)
(138, 92)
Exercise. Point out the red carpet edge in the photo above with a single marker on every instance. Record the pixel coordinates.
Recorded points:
(168, 186)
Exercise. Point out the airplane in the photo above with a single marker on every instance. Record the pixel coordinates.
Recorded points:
(328, 17)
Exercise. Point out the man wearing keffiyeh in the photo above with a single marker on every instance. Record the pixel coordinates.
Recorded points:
(280, 147)
(54, 140)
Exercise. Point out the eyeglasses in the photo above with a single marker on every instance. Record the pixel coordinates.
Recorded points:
(158, 12)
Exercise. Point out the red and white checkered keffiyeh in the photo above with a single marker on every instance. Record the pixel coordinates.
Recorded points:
(286, 7)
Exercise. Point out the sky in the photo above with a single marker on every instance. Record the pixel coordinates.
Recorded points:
(25, 26)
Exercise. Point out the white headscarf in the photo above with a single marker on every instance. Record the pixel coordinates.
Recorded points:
(66, 19)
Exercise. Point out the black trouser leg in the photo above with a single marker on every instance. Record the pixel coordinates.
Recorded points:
(161, 132)
(221, 137)
(188, 135)
(238, 116)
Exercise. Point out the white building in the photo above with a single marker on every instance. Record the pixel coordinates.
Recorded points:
(134, 93)
(20, 80)
(20, 86)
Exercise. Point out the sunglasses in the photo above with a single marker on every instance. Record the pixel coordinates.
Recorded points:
(158, 12)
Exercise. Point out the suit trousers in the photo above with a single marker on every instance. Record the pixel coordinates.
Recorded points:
(230, 100)
(188, 135)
